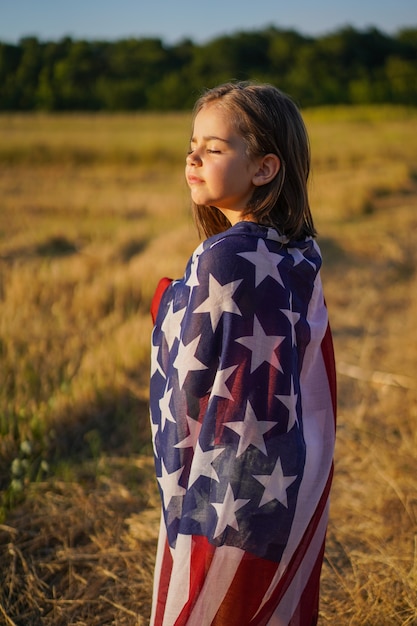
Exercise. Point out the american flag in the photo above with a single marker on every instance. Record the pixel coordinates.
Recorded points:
(243, 422)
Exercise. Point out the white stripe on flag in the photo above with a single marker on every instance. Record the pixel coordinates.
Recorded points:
(179, 586)
(158, 566)
(222, 570)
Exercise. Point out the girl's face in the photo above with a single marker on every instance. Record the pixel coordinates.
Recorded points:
(218, 170)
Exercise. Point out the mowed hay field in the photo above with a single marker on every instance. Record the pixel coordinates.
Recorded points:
(93, 211)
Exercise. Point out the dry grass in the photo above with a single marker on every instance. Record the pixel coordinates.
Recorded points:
(93, 210)
(80, 553)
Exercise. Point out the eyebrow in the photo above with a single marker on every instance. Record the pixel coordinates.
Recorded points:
(212, 137)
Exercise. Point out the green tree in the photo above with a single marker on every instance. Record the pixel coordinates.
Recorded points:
(26, 77)
(134, 67)
(346, 66)
(9, 62)
(47, 91)
(402, 80)
(283, 47)
(74, 77)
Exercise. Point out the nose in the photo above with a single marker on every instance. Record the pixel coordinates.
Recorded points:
(193, 158)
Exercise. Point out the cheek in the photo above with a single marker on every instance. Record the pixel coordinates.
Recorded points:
(216, 174)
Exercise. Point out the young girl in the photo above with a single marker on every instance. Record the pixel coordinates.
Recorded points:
(243, 379)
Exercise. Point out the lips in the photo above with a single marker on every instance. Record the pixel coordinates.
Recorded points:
(193, 180)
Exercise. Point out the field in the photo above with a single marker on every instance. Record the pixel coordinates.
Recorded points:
(93, 210)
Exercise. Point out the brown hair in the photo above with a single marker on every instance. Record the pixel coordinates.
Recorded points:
(269, 122)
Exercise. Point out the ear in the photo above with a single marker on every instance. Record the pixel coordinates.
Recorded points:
(268, 167)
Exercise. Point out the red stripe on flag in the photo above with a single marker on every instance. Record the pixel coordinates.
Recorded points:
(159, 292)
(165, 576)
(202, 552)
(244, 596)
(327, 350)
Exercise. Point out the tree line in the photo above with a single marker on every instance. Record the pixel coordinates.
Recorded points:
(347, 66)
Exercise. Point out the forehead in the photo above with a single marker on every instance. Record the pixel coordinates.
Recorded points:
(213, 120)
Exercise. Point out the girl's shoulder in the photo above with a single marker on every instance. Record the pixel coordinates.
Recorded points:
(242, 235)
(250, 253)
(229, 255)
(249, 236)
(222, 248)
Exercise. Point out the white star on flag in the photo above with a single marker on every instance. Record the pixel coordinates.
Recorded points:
(293, 317)
(169, 484)
(276, 485)
(190, 441)
(298, 256)
(171, 325)
(186, 361)
(226, 511)
(262, 346)
(202, 464)
(192, 280)
(155, 366)
(265, 262)
(220, 388)
(251, 431)
(154, 429)
(165, 410)
(291, 403)
(219, 301)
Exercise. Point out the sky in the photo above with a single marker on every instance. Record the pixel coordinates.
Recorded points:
(174, 20)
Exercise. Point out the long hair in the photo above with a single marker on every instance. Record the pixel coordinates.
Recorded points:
(269, 122)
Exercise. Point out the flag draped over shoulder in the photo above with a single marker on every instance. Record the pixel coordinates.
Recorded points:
(243, 423)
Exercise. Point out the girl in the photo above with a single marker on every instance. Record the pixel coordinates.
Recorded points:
(243, 379)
